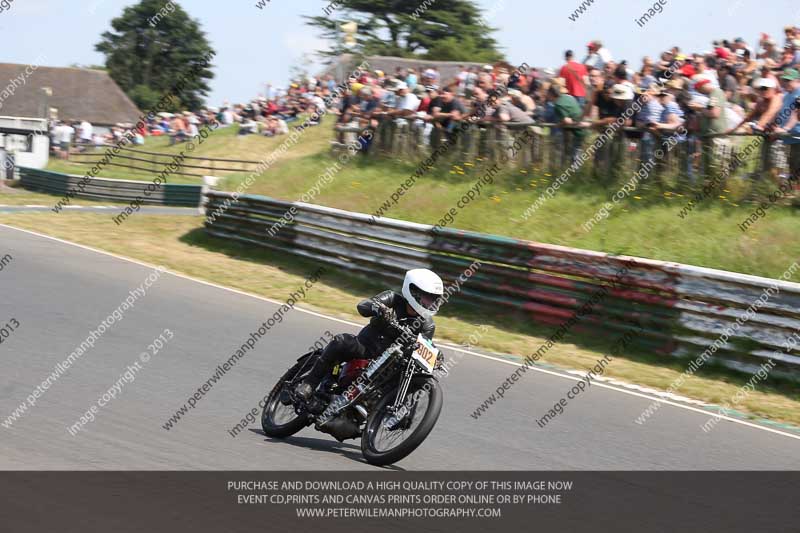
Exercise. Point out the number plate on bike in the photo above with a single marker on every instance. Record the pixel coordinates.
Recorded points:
(426, 353)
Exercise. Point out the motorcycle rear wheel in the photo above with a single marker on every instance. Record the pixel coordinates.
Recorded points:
(288, 427)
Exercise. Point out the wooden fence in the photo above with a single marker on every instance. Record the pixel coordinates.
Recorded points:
(154, 162)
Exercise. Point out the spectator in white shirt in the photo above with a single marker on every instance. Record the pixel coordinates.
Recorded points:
(63, 134)
(597, 56)
(86, 131)
(192, 130)
(406, 102)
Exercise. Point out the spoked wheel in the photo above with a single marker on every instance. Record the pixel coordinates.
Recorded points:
(388, 436)
(279, 420)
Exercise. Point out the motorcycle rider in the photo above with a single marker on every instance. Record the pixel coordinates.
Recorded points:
(414, 309)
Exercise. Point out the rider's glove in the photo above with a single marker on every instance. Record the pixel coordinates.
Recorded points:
(386, 314)
(439, 366)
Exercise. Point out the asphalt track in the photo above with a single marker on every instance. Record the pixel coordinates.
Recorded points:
(59, 292)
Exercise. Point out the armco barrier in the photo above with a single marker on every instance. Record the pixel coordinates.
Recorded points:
(122, 191)
(680, 309)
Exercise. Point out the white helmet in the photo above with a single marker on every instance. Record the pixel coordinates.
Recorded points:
(422, 289)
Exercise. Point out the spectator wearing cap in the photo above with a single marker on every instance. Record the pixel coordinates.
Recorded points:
(568, 113)
(687, 66)
(761, 118)
(790, 83)
(711, 108)
(740, 44)
(792, 128)
(576, 78)
(430, 76)
(787, 58)
(593, 59)
(672, 116)
(721, 51)
(613, 103)
(648, 118)
(708, 105)
(597, 55)
(406, 102)
(431, 94)
(622, 95)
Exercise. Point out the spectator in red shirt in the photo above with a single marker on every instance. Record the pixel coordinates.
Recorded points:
(431, 94)
(576, 77)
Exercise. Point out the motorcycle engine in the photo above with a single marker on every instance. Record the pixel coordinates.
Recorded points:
(342, 427)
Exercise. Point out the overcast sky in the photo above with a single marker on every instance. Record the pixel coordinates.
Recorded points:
(256, 46)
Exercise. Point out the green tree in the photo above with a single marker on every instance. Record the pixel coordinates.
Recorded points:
(147, 99)
(152, 46)
(432, 29)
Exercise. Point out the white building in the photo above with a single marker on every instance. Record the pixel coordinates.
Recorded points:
(64, 93)
(25, 141)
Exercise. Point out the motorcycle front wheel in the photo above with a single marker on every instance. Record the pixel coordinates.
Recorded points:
(389, 437)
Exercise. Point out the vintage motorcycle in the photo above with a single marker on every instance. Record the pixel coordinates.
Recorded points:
(392, 402)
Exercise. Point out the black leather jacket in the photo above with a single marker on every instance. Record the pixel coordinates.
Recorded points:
(376, 337)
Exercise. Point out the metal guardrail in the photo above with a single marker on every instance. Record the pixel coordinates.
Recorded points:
(122, 191)
(680, 309)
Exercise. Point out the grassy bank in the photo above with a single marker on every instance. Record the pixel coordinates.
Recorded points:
(646, 224)
(180, 244)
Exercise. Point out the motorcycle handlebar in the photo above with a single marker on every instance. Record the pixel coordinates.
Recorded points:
(398, 326)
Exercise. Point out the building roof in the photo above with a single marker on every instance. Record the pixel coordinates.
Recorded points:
(78, 94)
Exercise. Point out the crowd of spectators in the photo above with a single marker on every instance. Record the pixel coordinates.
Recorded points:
(731, 87)
(269, 116)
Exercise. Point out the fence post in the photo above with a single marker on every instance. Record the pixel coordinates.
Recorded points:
(208, 183)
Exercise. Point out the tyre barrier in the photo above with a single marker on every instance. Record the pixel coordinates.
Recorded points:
(672, 309)
(122, 191)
